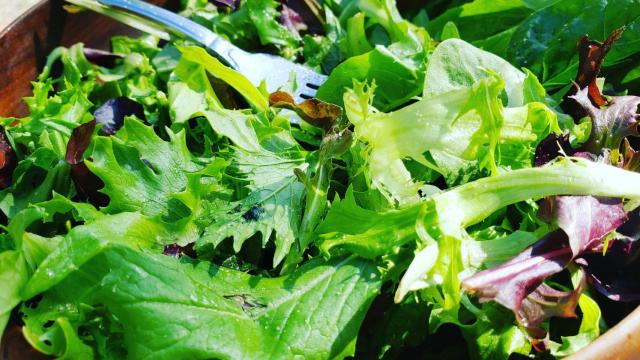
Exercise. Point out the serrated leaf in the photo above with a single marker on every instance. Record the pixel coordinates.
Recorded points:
(142, 172)
(274, 202)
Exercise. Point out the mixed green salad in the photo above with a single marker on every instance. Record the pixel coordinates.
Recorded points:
(465, 185)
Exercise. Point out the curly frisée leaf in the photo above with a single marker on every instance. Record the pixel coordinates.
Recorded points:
(466, 127)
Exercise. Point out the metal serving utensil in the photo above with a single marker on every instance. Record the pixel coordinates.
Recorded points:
(257, 67)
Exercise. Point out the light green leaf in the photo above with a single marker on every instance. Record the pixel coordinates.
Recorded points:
(233, 78)
(456, 64)
(84, 242)
(13, 276)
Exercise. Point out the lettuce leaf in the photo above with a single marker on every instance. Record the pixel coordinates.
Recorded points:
(174, 307)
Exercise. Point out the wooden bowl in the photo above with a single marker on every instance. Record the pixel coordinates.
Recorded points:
(24, 46)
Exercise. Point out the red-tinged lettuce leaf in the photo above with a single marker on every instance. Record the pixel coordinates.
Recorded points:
(8, 160)
(79, 142)
(112, 113)
(583, 222)
(610, 125)
(292, 20)
(87, 183)
(509, 283)
(551, 147)
(586, 219)
(546, 302)
(591, 55)
(101, 58)
(614, 273)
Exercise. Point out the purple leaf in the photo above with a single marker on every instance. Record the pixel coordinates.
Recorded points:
(8, 160)
(79, 142)
(87, 183)
(545, 302)
(587, 219)
(551, 147)
(175, 250)
(112, 113)
(611, 124)
(509, 283)
(292, 20)
(101, 57)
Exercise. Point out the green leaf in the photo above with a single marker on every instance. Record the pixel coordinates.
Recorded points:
(456, 64)
(449, 31)
(13, 276)
(237, 126)
(397, 78)
(235, 79)
(35, 179)
(479, 19)
(190, 92)
(142, 172)
(493, 335)
(368, 233)
(273, 202)
(84, 242)
(65, 323)
(179, 308)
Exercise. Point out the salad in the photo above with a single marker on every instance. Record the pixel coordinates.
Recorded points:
(465, 185)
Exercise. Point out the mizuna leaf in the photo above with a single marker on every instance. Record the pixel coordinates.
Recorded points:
(273, 203)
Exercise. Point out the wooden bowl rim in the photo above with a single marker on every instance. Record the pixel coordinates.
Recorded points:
(25, 15)
(622, 341)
